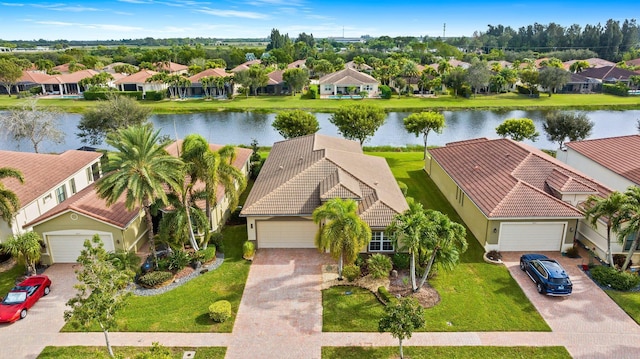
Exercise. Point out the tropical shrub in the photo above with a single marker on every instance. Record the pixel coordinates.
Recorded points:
(248, 250)
(385, 91)
(208, 254)
(154, 279)
(572, 252)
(619, 89)
(401, 260)
(178, 260)
(157, 351)
(124, 260)
(220, 311)
(155, 95)
(216, 241)
(379, 265)
(610, 277)
(403, 188)
(351, 272)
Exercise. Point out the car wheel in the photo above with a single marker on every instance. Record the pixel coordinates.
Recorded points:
(540, 288)
(521, 265)
(23, 313)
(47, 290)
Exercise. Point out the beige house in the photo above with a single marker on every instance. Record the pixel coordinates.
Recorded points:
(302, 173)
(343, 82)
(138, 82)
(511, 196)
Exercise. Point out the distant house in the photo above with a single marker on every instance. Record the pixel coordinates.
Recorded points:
(453, 63)
(245, 66)
(111, 67)
(197, 89)
(593, 62)
(138, 82)
(30, 79)
(172, 68)
(64, 68)
(301, 174)
(346, 82)
(276, 84)
(512, 197)
(634, 62)
(67, 84)
(298, 64)
(608, 74)
(581, 84)
(362, 67)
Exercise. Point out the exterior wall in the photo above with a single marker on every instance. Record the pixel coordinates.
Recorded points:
(596, 240)
(135, 235)
(332, 89)
(593, 169)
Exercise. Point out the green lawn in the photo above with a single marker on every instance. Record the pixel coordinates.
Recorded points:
(475, 296)
(185, 309)
(78, 352)
(628, 301)
(8, 279)
(466, 352)
(276, 103)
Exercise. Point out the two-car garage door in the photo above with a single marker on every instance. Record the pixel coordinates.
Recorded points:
(286, 233)
(65, 248)
(539, 236)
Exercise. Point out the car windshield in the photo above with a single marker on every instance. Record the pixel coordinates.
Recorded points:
(15, 297)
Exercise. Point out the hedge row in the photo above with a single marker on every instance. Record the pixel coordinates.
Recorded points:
(618, 89)
(102, 95)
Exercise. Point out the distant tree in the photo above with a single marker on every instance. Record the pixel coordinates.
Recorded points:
(530, 77)
(553, 78)
(401, 318)
(44, 65)
(322, 67)
(253, 78)
(125, 69)
(307, 39)
(455, 79)
(33, 123)
(9, 201)
(295, 123)
(478, 75)
(561, 126)
(422, 123)
(578, 66)
(518, 129)
(99, 290)
(108, 116)
(98, 80)
(25, 248)
(358, 122)
(296, 78)
(10, 72)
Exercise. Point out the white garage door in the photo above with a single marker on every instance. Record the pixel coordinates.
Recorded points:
(286, 234)
(531, 236)
(66, 248)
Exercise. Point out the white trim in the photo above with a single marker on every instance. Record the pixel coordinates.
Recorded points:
(81, 214)
(137, 239)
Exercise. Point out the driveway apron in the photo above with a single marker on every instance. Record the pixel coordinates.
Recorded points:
(280, 315)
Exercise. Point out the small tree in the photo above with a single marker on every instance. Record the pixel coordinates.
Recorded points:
(424, 122)
(33, 123)
(553, 78)
(10, 72)
(401, 318)
(296, 78)
(562, 125)
(100, 293)
(25, 248)
(518, 129)
(295, 123)
(358, 122)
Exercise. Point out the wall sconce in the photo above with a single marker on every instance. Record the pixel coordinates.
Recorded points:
(495, 230)
(251, 225)
(571, 229)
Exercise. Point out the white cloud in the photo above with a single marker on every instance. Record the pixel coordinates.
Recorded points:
(136, 1)
(232, 13)
(275, 2)
(64, 7)
(10, 4)
(106, 27)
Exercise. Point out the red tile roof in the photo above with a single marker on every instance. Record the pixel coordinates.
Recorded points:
(275, 77)
(217, 72)
(137, 78)
(42, 172)
(36, 77)
(508, 179)
(70, 78)
(620, 155)
(245, 66)
(171, 67)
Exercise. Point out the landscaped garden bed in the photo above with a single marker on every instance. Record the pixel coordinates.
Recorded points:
(82, 352)
(467, 352)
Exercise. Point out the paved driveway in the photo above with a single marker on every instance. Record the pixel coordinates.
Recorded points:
(588, 311)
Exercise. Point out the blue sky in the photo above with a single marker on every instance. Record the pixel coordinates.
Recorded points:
(127, 19)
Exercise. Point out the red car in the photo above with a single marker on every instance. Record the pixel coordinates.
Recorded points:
(22, 297)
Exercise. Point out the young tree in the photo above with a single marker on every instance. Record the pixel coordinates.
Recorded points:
(295, 123)
(139, 167)
(10, 72)
(604, 209)
(358, 122)
(553, 78)
(33, 123)
(341, 231)
(455, 78)
(627, 223)
(125, 69)
(478, 75)
(100, 290)
(562, 125)
(578, 66)
(24, 248)
(296, 78)
(401, 318)
(9, 201)
(108, 116)
(424, 122)
(530, 77)
(518, 129)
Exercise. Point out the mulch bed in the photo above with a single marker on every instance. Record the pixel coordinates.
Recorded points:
(427, 296)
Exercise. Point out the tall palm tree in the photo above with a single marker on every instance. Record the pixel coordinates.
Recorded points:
(342, 232)
(406, 231)
(445, 241)
(178, 226)
(605, 209)
(628, 222)
(139, 167)
(9, 202)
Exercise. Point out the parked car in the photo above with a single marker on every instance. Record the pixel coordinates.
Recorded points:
(548, 275)
(148, 263)
(22, 297)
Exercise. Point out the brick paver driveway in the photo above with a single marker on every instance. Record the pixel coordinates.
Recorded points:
(587, 311)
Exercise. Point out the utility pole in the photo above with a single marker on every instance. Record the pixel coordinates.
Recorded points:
(444, 30)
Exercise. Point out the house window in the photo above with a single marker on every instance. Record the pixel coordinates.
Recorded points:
(380, 242)
(95, 170)
(89, 175)
(72, 184)
(328, 88)
(61, 193)
(629, 241)
(367, 88)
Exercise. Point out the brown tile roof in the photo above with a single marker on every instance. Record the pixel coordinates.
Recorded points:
(64, 68)
(42, 172)
(139, 77)
(275, 77)
(298, 64)
(35, 77)
(634, 62)
(352, 65)
(171, 67)
(88, 203)
(245, 66)
(70, 78)
(508, 179)
(348, 76)
(607, 73)
(217, 72)
(302, 172)
(619, 154)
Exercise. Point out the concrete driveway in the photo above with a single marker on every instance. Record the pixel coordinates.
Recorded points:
(588, 310)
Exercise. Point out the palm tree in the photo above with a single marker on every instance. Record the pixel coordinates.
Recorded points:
(606, 209)
(445, 240)
(25, 248)
(406, 231)
(177, 226)
(342, 232)
(9, 202)
(629, 218)
(139, 167)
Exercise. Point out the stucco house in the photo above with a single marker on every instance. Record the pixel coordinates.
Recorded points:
(138, 82)
(340, 83)
(196, 88)
(512, 197)
(302, 173)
